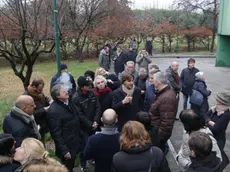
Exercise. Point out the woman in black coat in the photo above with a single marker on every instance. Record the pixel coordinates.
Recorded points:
(201, 86)
(136, 153)
(218, 119)
(6, 148)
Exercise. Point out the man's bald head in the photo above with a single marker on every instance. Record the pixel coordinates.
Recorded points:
(25, 103)
(175, 66)
(109, 117)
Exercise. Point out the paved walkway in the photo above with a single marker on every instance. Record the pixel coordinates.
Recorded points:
(217, 79)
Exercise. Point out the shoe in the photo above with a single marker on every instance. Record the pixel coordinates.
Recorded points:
(83, 170)
(91, 162)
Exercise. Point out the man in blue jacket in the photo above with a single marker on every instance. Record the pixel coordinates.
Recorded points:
(102, 146)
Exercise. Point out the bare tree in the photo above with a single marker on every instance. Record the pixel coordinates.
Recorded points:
(209, 8)
(24, 35)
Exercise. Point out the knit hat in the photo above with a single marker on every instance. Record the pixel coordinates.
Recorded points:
(90, 74)
(83, 81)
(223, 98)
(63, 66)
(6, 143)
(143, 117)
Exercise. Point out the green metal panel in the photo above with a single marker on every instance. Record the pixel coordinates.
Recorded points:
(224, 22)
(223, 51)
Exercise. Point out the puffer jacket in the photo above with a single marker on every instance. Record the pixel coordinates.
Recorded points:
(103, 60)
(88, 107)
(163, 112)
(183, 156)
(64, 125)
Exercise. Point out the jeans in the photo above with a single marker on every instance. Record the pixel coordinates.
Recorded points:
(82, 147)
(185, 98)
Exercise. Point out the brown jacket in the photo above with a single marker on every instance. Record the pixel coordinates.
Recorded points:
(163, 112)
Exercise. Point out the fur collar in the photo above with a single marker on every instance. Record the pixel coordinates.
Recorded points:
(5, 159)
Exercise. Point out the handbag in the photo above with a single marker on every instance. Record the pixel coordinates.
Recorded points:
(196, 98)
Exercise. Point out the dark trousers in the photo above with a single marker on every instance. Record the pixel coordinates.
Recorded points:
(185, 99)
(225, 161)
(69, 164)
(82, 148)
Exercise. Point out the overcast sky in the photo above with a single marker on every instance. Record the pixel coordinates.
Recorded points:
(151, 3)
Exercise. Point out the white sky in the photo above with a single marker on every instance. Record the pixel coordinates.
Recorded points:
(140, 4)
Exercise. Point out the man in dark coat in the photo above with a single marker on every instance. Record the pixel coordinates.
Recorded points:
(173, 77)
(89, 109)
(66, 79)
(20, 121)
(64, 125)
(127, 101)
(203, 159)
(163, 110)
(131, 55)
(119, 61)
(35, 90)
(149, 47)
(187, 80)
(102, 146)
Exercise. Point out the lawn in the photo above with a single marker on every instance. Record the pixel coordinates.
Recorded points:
(11, 86)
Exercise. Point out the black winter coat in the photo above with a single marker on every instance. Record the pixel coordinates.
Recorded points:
(119, 62)
(131, 56)
(221, 124)
(128, 111)
(64, 125)
(201, 86)
(140, 160)
(116, 82)
(187, 80)
(210, 163)
(172, 80)
(16, 126)
(88, 107)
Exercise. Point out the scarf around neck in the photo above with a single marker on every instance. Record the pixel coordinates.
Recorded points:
(220, 109)
(127, 91)
(28, 119)
(99, 93)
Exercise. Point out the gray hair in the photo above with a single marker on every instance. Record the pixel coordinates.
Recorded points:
(55, 91)
(101, 78)
(142, 71)
(199, 75)
(160, 77)
(130, 62)
(174, 63)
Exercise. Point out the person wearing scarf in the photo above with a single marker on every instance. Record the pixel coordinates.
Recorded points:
(127, 100)
(20, 121)
(89, 110)
(35, 90)
(217, 119)
(102, 92)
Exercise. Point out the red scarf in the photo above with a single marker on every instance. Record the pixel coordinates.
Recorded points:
(99, 93)
(176, 77)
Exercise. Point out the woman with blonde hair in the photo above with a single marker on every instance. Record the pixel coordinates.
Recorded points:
(33, 157)
(112, 80)
(137, 153)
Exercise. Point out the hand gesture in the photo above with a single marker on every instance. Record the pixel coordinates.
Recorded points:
(67, 156)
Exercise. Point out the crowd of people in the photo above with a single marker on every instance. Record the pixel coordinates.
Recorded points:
(119, 122)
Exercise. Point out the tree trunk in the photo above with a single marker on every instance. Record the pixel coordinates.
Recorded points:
(163, 44)
(193, 44)
(213, 40)
(214, 28)
(170, 46)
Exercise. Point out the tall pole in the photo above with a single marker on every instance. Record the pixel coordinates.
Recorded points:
(57, 44)
(177, 29)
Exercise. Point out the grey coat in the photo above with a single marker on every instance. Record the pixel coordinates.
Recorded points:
(143, 62)
(104, 60)
(183, 156)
